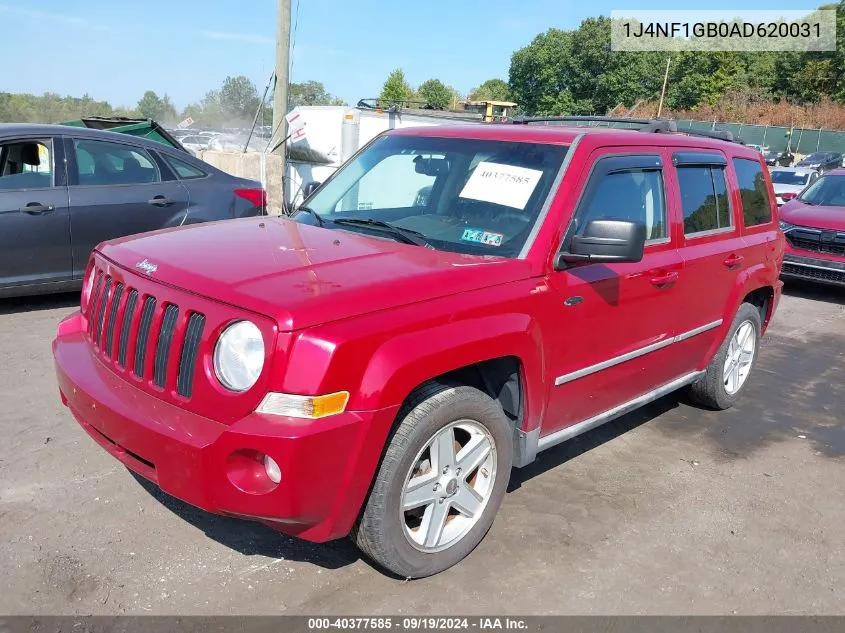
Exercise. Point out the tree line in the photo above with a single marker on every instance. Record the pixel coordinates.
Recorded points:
(575, 72)
(438, 95)
(559, 72)
(234, 104)
(563, 72)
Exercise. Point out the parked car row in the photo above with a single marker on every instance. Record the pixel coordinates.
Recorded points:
(65, 189)
(820, 161)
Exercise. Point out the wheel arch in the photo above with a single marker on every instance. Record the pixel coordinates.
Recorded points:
(754, 286)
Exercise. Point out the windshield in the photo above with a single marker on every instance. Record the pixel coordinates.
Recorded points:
(463, 195)
(826, 191)
(789, 178)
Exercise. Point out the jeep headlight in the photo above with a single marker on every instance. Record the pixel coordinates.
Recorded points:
(239, 356)
(785, 226)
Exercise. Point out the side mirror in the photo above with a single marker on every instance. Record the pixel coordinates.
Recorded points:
(605, 241)
(310, 187)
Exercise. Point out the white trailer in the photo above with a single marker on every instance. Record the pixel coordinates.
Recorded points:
(332, 134)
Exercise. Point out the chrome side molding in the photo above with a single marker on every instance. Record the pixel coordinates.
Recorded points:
(586, 371)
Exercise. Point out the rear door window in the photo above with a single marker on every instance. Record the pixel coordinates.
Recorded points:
(756, 204)
(704, 199)
(105, 163)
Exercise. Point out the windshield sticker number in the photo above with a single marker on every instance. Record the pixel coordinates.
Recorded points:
(501, 184)
(482, 237)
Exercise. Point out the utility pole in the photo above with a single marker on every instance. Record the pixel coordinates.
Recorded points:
(663, 92)
(280, 95)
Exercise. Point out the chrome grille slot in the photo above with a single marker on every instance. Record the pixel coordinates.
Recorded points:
(165, 338)
(188, 357)
(101, 312)
(93, 303)
(144, 335)
(128, 318)
(115, 304)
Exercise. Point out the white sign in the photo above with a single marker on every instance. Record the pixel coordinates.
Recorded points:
(186, 123)
(296, 127)
(501, 184)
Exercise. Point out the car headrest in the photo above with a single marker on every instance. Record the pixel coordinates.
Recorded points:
(30, 155)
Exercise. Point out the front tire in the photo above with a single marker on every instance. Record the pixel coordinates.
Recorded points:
(441, 482)
(728, 373)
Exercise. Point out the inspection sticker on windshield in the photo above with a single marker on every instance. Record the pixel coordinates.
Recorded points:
(482, 237)
(501, 184)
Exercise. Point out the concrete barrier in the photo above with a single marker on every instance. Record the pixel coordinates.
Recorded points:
(266, 168)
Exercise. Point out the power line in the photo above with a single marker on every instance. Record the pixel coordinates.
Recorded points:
(293, 43)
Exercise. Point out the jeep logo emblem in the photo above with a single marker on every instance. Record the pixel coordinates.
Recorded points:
(147, 266)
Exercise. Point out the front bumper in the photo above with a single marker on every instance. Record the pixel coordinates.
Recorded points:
(813, 269)
(327, 465)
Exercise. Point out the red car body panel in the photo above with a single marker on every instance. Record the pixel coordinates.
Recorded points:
(377, 318)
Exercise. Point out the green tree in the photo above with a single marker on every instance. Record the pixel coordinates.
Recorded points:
(396, 88)
(435, 93)
(238, 99)
(311, 93)
(151, 106)
(538, 76)
(491, 90)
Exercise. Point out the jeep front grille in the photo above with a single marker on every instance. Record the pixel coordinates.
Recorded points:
(118, 311)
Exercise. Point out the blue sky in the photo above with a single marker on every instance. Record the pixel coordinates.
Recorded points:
(116, 50)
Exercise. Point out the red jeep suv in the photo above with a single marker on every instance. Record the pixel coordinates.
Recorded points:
(452, 301)
(814, 224)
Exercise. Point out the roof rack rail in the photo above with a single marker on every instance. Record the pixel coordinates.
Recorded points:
(646, 125)
(658, 126)
(722, 135)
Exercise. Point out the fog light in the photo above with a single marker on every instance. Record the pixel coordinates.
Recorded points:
(273, 470)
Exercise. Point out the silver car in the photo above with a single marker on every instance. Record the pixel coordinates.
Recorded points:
(788, 182)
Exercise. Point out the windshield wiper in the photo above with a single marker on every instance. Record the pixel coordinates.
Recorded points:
(318, 217)
(408, 236)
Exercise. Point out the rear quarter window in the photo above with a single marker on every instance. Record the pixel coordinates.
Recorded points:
(756, 204)
(185, 170)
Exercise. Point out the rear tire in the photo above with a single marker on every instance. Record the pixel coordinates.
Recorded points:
(728, 374)
(441, 481)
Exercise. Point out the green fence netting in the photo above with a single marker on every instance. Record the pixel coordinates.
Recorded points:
(802, 140)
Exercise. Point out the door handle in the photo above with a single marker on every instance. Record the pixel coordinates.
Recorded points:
(665, 279)
(733, 261)
(34, 208)
(160, 201)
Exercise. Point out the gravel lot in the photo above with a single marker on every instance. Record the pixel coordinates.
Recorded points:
(670, 510)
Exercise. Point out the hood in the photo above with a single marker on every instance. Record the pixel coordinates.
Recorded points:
(798, 213)
(304, 275)
(781, 188)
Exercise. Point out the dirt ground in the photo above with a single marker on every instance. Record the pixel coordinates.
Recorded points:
(670, 510)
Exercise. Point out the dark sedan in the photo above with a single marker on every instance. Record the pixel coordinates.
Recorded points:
(822, 161)
(63, 190)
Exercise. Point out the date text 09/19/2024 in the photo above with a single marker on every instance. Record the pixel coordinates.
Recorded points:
(424, 623)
